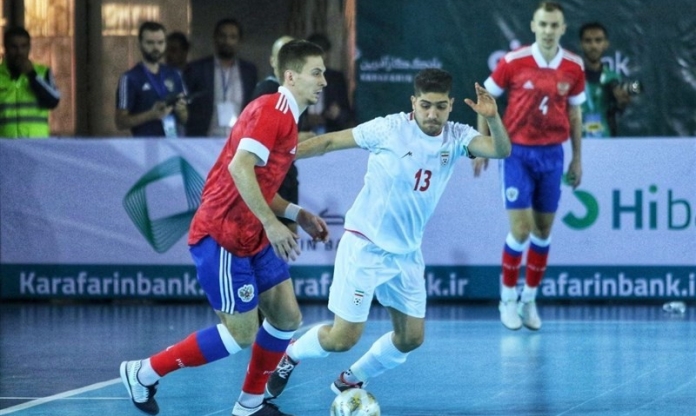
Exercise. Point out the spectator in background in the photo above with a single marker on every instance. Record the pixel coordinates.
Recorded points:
(333, 111)
(150, 96)
(270, 84)
(605, 96)
(27, 89)
(176, 54)
(220, 85)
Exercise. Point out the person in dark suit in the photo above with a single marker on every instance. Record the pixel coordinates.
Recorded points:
(220, 86)
(333, 112)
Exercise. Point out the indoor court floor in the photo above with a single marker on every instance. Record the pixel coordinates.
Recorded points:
(62, 359)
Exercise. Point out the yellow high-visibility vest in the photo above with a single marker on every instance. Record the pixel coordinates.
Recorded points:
(20, 114)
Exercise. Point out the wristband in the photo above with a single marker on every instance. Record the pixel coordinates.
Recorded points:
(292, 211)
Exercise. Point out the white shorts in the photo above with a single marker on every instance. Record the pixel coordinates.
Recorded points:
(363, 270)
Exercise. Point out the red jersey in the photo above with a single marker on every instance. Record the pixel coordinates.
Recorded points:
(268, 128)
(539, 94)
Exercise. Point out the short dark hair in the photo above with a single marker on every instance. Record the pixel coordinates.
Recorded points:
(13, 32)
(432, 80)
(179, 37)
(320, 39)
(228, 21)
(592, 26)
(550, 6)
(150, 26)
(293, 55)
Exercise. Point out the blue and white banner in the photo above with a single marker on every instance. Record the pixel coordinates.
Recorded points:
(108, 218)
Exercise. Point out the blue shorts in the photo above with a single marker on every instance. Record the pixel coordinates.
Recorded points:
(531, 177)
(233, 283)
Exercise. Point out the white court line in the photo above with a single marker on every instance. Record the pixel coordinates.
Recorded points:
(96, 386)
(58, 396)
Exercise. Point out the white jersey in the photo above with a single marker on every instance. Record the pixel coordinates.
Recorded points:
(407, 172)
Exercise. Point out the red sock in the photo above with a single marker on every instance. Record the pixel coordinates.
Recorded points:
(262, 364)
(197, 349)
(511, 266)
(537, 258)
(268, 349)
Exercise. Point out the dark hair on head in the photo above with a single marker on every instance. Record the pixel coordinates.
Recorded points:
(179, 37)
(228, 21)
(150, 27)
(293, 55)
(592, 26)
(432, 80)
(320, 39)
(550, 6)
(15, 31)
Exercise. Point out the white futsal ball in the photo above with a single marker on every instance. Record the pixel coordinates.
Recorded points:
(355, 402)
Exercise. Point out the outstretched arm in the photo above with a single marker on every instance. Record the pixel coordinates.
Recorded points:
(497, 144)
(325, 143)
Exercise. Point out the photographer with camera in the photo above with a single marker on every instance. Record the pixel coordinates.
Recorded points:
(606, 94)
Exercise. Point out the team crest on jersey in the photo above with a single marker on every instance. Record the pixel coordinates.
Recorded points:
(246, 293)
(444, 157)
(563, 88)
(358, 297)
(512, 193)
(169, 83)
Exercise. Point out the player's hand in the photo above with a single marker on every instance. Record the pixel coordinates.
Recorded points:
(485, 104)
(622, 97)
(313, 225)
(180, 106)
(283, 241)
(26, 66)
(479, 164)
(574, 175)
(160, 110)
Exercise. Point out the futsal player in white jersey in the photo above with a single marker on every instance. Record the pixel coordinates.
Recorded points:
(412, 157)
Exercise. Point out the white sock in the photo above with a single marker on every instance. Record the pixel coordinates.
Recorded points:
(228, 340)
(528, 294)
(250, 401)
(147, 375)
(382, 356)
(508, 293)
(307, 346)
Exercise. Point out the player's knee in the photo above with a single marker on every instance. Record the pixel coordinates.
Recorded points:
(292, 321)
(244, 335)
(521, 231)
(409, 342)
(341, 342)
(285, 319)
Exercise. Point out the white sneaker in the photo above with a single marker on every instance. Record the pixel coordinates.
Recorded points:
(143, 396)
(508, 315)
(530, 316)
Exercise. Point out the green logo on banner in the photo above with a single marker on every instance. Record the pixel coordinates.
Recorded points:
(163, 233)
(591, 209)
(591, 212)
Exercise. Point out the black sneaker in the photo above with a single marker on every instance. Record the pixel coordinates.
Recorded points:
(340, 384)
(279, 379)
(143, 396)
(265, 409)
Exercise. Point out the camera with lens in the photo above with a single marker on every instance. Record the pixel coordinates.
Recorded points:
(632, 87)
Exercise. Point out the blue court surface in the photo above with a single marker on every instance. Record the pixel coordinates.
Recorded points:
(63, 359)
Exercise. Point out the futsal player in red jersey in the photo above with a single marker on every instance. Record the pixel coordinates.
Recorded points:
(545, 85)
(239, 246)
